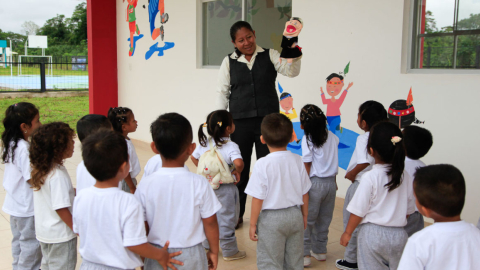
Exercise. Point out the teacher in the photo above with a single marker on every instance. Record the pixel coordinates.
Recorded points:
(246, 85)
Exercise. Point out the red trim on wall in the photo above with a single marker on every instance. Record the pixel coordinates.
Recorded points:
(102, 55)
(422, 31)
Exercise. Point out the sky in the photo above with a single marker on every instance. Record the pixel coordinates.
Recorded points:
(13, 13)
(443, 10)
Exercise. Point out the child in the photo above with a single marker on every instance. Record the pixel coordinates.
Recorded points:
(450, 243)
(417, 142)
(53, 195)
(21, 120)
(219, 126)
(279, 185)
(87, 125)
(320, 156)
(382, 202)
(108, 220)
(179, 205)
(369, 113)
(286, 103)
(123, 121)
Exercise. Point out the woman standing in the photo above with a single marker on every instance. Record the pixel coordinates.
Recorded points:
(246, 85)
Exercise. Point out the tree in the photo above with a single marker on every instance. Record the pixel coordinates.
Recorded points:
(77, 24)
(56, 30)
(30, 28)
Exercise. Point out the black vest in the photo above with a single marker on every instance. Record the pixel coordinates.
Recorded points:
(253, 91)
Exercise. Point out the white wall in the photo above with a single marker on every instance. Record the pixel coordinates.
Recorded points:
(368, 33)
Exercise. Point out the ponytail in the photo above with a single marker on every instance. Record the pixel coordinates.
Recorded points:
(216, 124)
(314, 124)
(386, 140)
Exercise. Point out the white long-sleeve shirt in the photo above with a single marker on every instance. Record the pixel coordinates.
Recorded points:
(223, 84)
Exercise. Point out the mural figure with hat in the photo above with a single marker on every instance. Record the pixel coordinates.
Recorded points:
(402, 113)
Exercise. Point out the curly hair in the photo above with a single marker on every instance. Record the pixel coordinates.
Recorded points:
(314, 124)
(47, 148)
(118, 116)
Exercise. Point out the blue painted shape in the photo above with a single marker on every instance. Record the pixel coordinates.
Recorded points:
(154, 48)
(152, 13)
(280, 89)
(293, 146)
(3, 44)
(135, 39)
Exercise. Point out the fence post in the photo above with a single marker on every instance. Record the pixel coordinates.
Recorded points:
(429, 54)
(43, 86)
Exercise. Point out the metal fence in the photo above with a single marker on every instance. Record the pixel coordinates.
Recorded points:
(43, 76)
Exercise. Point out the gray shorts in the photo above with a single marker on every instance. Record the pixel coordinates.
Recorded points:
(59, 256)
(86, 265)
(125, 186)
(192, 258)
(25, 246)
(415, 223)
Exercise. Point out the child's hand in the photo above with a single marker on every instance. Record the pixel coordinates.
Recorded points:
(349, 85)
(132, 190)
(305, 220)
(321, 89)
(237, 176)
(166, 259)
(349, 176)
(212, 260)
(345, 239)
(253, 233)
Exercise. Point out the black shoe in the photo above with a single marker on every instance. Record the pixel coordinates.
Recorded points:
(343, 264)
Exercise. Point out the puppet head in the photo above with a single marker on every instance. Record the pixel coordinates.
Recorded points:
(334, 84)
(293, 27)
(286, 101)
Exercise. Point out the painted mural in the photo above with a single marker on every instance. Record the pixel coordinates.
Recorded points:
(402, 113)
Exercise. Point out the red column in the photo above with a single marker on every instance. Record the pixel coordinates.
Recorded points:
(102, 55)
(422, 31)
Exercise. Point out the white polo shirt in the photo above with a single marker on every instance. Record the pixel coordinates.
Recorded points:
(324, 159)
(174, 202)
(443, 245)
(377, 205)
(133, 159)
(411, 166)
(280, 180)
(361, 156)
(19, 198)
(229, 151)
(84, 178)
(154, 164)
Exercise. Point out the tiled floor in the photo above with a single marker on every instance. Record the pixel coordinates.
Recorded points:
(335, 251)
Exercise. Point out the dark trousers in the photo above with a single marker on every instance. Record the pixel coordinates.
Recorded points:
(247, 134)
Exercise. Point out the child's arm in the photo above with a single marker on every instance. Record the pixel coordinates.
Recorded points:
(130, 184)
(256, 208)
(351, 175)
(210, 225)
(66, 216)
(239, 165)
(322, 95)
(353, 222)
(308, 167)
(305, 210)
(194, 160)
(164, 258)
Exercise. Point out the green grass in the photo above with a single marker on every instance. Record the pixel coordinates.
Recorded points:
(52, 109)
(35, 70)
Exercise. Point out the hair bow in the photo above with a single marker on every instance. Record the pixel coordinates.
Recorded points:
(395, 139)
(219, 124)
(205, 124)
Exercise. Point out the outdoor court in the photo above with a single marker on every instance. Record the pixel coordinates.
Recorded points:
(32, 82)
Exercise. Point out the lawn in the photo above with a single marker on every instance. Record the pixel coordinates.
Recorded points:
(52, 109)
(34, 69)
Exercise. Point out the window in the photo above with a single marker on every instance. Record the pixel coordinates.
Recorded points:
(446, 34)
(267, 17)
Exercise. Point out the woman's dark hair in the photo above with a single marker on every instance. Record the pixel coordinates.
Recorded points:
(381, 141)
(15, 115)
(372, 112)
(47, 148)
(237, 26)
(334, 75)
(314, 124)
(217, 123)
(118, 116)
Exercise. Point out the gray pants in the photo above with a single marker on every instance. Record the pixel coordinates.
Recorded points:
(25, 246)
(414, 223)
(320, 212)
(227, 218)
(125, 186)
(86, 265)
(192, 258)
(478, 224)
(351, 249)
(380, 247)
(61, 256)
(280, 239)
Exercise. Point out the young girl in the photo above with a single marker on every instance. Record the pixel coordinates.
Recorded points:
(219, 126)
(369, 113)
(320, 155)
(53, 195)
(21, 120)
(123, 121)
(382, 202)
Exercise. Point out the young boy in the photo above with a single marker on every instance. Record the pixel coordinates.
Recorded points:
(450, 243)
(417, 142)
(87, 125)
(179, 205)
(108, 220)
(279, 184)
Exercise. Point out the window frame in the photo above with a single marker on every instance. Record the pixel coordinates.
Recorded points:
(413, 48)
